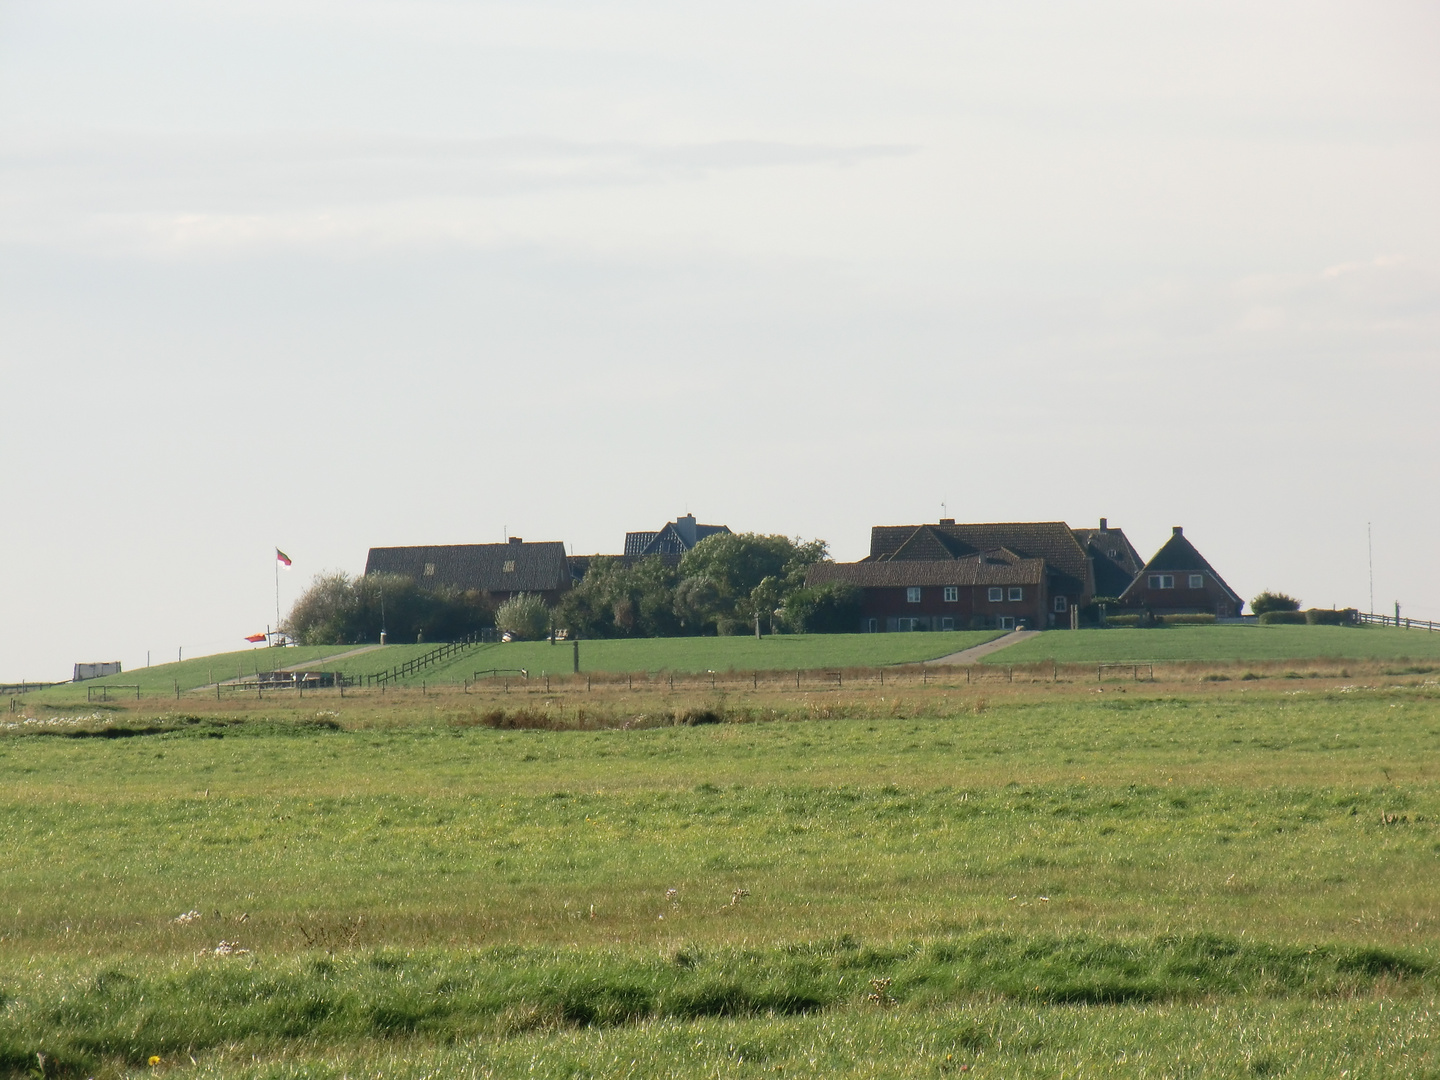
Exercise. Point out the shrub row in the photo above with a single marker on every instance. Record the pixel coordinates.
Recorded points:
(1312, 617)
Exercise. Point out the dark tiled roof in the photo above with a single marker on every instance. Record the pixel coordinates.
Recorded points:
(637, 542)
(992, 568)
(538, 567)
(1178, 555)
(1115, 559)
(674, 539)
(1052, 541)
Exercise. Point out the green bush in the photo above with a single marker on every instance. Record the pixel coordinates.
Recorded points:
(524, 616)
(824, 609)
(1332, 617)
(340, 610)
(1122, 620)
(1187, 620)
(1282, 618)
(1273, 601)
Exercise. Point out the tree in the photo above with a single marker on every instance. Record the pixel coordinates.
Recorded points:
(824, 609)
(1273, 601)
(523, 616)
(751, 574)
(338, 610)
(620, 599)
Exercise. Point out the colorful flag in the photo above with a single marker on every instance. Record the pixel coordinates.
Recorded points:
(282, 557)
(256, 637)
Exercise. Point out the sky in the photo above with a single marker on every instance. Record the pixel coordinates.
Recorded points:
(324, 276)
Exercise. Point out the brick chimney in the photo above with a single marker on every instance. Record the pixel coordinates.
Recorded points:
(947, 521)
(517, 539)
(1104, 525)
(1176, 530)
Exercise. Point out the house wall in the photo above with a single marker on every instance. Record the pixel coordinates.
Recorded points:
(887, 606)
(1182, 600)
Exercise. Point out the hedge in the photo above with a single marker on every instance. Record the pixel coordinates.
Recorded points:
(1187, 620)
(1332, 617)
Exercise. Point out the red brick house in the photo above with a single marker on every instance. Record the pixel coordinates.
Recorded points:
(1069, 577)
(1178, 581)
(998, 588)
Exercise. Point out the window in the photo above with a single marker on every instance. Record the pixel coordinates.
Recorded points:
(947, 623)
(907, 624)
(509, 567)
(429, 569)
(872, 625)
(1017, 593)
(952, 593)
(1061, 604)
(1162, 581)
(1007, 622)
(997, 595)
(912, 595)
(1197, 581)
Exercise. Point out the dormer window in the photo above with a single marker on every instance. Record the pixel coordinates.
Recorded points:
(429, 569)
(508, 568)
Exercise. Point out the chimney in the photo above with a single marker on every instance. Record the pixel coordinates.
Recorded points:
(1176, 530)
(685, 526)
(1104, 525)
(947, 521)
(517, 539)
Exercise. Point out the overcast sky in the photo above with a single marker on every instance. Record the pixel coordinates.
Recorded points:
(331, 275)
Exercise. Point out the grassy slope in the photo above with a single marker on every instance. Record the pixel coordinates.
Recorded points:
(787, 652)
(200, 671)
(943, 818)
(1223, 643)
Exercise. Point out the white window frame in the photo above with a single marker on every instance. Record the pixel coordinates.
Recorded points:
(1061, 604)
(912, 594)
(1162, 581)
(952, 594)
(947, 622)
(1017, 593)
(1007, 622)
(872, 626)
(1197, 581)
(996, 594)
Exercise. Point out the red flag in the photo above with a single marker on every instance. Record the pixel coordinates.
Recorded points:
(256, 637)
(282, 557)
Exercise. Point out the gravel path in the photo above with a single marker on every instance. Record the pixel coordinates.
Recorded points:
(975, 654)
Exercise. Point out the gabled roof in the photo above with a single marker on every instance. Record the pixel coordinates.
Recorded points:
(512, 567)
(991, 568)
(676, 538)
(1052, 541)
(1115, 559)
(1178, 555)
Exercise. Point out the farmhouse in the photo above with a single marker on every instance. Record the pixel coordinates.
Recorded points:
(502, 570)
(1030, 574)
(1178, 581)
(997, 588)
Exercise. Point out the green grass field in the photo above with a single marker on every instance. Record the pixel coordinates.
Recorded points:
(779, 653)
(1152, 880)
(1123, 644)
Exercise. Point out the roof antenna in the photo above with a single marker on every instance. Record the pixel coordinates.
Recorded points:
(943, 508)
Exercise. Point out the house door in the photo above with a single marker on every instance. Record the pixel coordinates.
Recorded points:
(1007, 622)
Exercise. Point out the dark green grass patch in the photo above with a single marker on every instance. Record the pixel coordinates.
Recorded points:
(130, 1012)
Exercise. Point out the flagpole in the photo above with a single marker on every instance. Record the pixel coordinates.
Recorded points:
(277, 590)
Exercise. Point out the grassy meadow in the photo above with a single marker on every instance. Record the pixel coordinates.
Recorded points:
(1178, 878)
(1224, 642)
